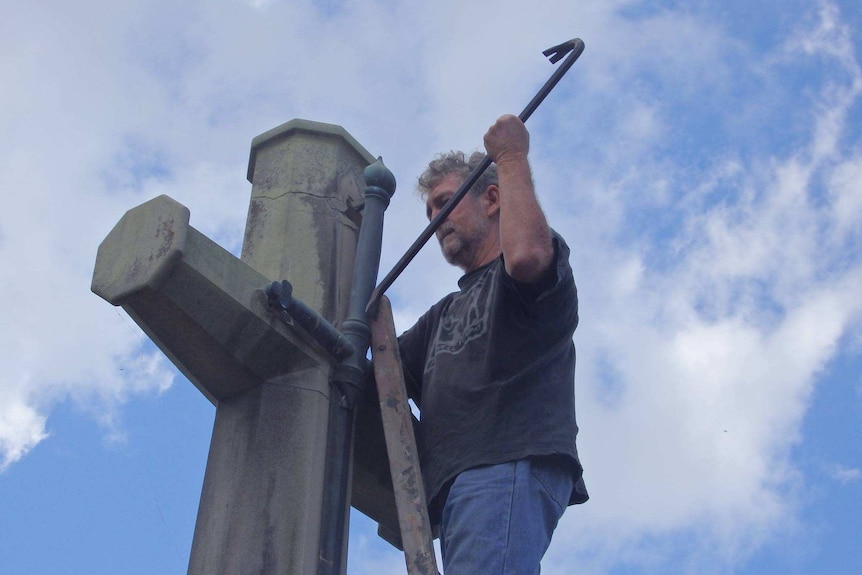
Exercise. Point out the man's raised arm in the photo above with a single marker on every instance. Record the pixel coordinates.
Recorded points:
(525, 237)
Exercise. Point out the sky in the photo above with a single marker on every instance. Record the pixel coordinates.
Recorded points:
(702, 159)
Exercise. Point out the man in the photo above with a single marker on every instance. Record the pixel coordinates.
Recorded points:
(491, 367)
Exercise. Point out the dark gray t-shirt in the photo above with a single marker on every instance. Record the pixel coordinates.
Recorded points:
(492, 368)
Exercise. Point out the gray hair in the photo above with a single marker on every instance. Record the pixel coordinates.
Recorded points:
(455, 162)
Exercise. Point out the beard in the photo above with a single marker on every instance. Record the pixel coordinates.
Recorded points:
(454, 248)
(459, 246)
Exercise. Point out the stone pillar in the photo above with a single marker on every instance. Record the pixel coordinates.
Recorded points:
(261, 502)
(260, 506)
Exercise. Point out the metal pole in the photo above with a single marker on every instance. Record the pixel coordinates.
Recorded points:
(346, 383)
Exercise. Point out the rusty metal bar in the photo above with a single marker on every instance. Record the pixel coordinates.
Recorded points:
(407, 482)
(290, 310)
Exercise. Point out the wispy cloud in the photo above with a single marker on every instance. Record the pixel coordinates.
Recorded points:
(716, 327)
(846, 475)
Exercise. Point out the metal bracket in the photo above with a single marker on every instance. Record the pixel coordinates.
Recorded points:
(279, 297)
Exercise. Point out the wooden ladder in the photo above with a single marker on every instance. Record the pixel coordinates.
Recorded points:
(407, 484)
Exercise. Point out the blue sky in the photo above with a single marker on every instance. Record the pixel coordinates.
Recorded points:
(703, 160)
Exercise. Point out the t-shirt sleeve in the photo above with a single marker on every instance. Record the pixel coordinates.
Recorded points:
(556, 285)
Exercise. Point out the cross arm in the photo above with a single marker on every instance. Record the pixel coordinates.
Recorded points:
(203, 307)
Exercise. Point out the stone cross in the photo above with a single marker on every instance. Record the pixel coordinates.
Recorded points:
(261, 503)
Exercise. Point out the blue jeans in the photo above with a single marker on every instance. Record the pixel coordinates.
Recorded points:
(498, 519)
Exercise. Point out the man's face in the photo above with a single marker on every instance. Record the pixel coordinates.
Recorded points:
(461, 235)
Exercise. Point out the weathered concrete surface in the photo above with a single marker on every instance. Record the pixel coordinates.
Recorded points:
(204, 308)
(306, 184)
(142, 249)
(260, 506)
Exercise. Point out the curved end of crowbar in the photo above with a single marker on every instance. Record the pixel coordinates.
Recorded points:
(558, 52)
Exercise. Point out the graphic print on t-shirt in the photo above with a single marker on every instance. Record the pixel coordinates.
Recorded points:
(465, 320)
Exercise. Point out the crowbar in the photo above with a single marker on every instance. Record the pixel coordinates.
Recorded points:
(573, 48)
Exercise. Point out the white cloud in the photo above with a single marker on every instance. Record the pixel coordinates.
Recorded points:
(21, 429)
(846, 475)
(715, 331)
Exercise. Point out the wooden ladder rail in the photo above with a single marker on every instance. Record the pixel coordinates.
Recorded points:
(407, 484)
